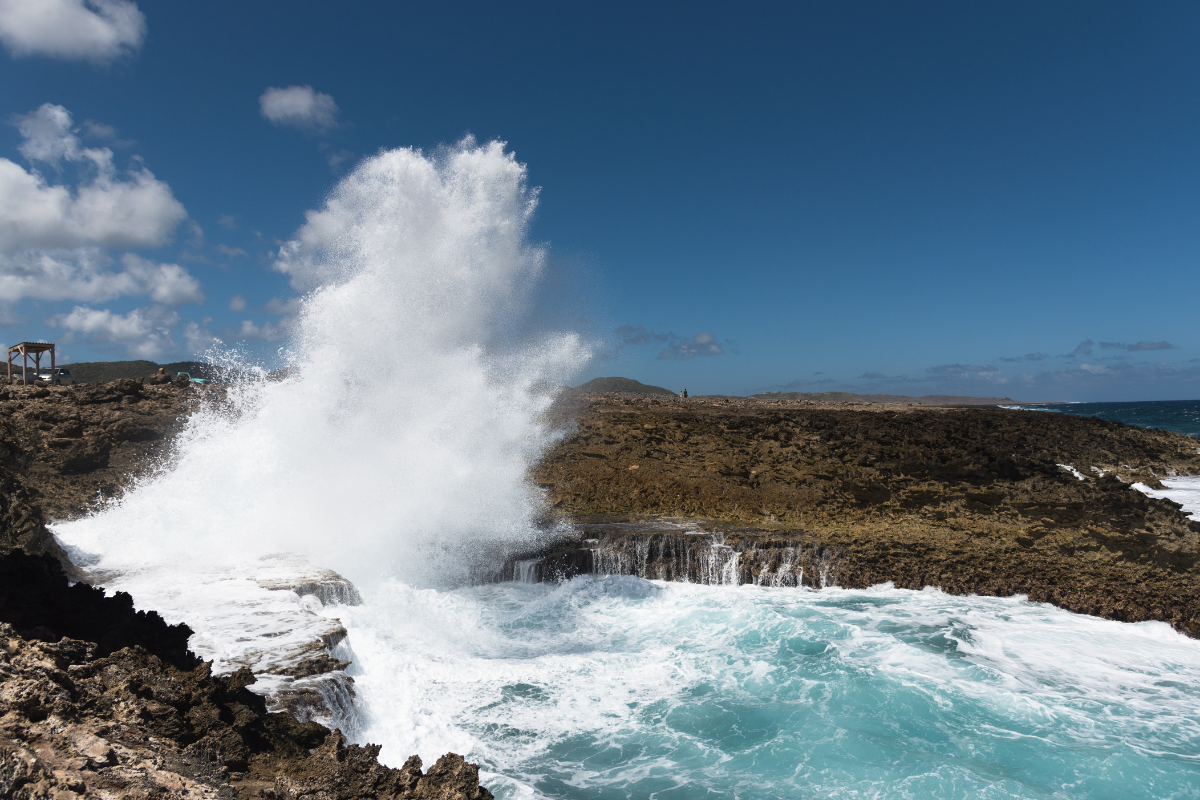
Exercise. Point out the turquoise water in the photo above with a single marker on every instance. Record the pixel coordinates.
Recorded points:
(624, 688)
(1181, 416)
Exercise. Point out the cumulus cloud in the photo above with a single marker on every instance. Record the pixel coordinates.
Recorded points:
(145, 332)
(1084, 348)
(198, 339)
(107, 210)
(270, 331)
(169, 284)
(237, 303)
(702, 344)
(89, 276)
(232, 252)
(98, 130)
(299, 107)
(53, 236)
(92, 30)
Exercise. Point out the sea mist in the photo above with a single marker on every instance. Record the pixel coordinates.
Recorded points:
(403, 436)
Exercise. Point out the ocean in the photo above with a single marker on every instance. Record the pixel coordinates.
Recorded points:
(403, 467)
(623, 688)
(1180, 416)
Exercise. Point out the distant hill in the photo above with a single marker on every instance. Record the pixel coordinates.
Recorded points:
(627, 385)
(102, 371)
(848, 397)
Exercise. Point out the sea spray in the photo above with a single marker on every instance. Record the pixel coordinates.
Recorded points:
(621, 687)
(403, 434)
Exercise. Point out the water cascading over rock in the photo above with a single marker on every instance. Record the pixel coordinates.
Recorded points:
(711, 559)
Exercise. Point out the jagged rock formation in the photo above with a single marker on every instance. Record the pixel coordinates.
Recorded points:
(81, 718)
(100, 700)
(973, 500)
(39, 603)
(22, 523)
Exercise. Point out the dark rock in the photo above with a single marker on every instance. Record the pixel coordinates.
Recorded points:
(36, 599)
(81, 718)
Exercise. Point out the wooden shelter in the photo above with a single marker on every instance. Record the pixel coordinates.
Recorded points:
(25, 350)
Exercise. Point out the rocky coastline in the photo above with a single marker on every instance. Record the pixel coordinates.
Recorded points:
(973, 500)
(100, 700)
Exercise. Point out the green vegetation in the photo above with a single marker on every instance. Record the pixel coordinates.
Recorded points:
(102, 371)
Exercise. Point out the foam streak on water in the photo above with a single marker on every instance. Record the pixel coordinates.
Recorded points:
(620, 687)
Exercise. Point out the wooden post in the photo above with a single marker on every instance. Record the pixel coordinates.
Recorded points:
(53, 372)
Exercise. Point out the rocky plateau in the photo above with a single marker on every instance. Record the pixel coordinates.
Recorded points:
(969, 499)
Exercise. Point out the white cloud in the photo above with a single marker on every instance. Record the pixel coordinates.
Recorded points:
(47, 134)
(53, 236)
(270, 331)
(702, 344)
(287, 307)
(95, 30)
(237, 303)
(87, 276)
(300, 107)
(169, 284)
(145, 332)
(98, 130)
(107, 211)
(198, 338)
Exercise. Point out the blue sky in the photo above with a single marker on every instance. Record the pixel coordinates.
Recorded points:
(963, 198)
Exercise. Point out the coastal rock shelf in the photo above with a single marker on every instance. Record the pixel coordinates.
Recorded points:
(276, 617)
(693, 555)
(99, 700)
(971, 500)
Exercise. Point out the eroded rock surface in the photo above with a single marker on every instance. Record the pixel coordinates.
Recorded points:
(972, 500)
(81, 719)
(86, 442)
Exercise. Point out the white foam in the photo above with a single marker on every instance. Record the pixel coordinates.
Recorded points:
(399, 444)
(1072, 470)
(1182, 490)
(513, 674)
